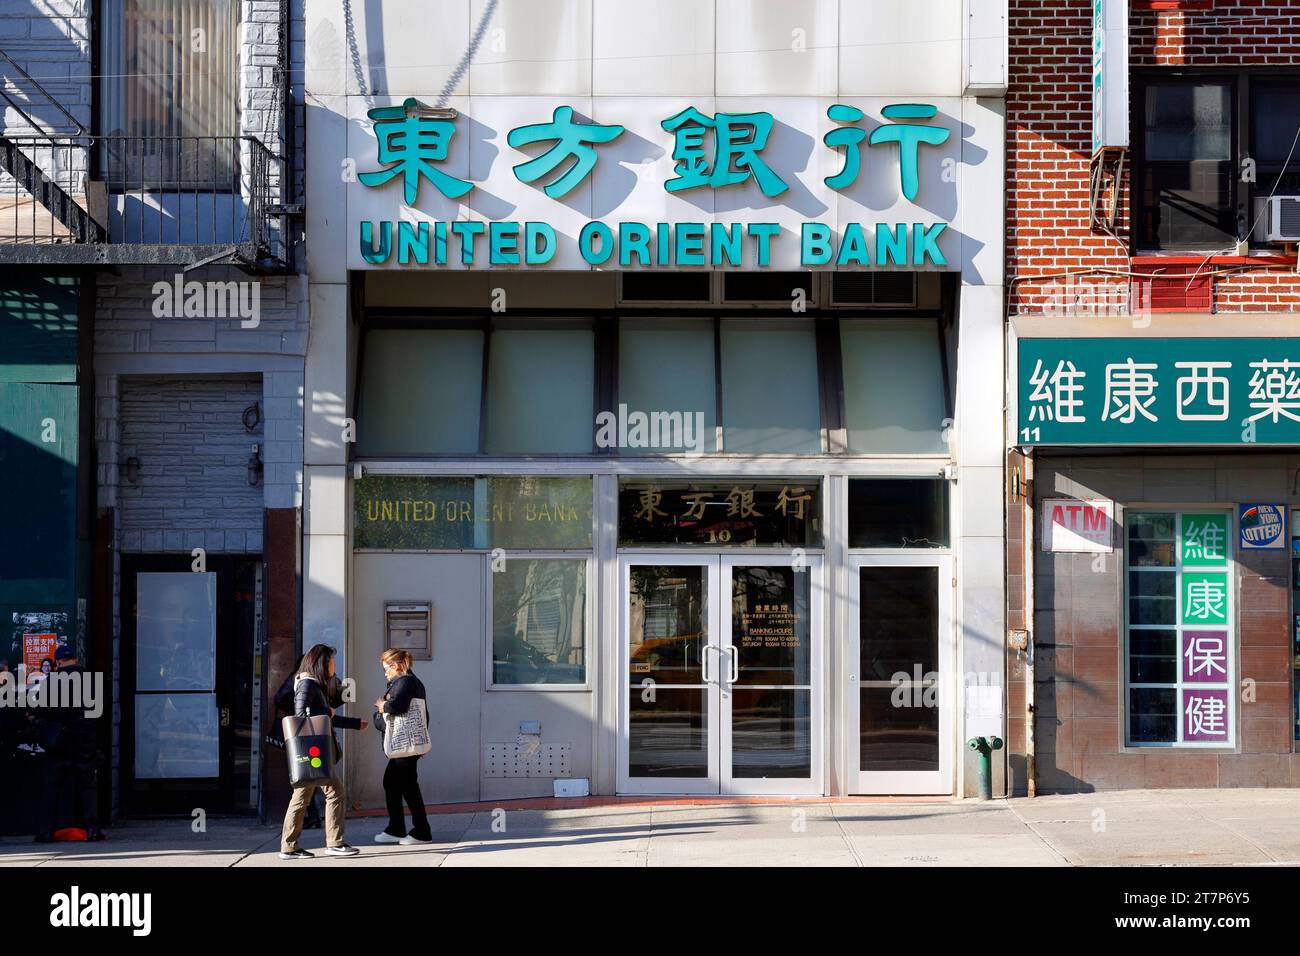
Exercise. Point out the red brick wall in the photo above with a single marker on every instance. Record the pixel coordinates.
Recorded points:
(1049, 240)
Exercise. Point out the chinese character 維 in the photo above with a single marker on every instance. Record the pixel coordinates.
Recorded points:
(410, 142)
(738, 139)
(1206, 652)
(909, 136)
(1205, 600)
(1275, 389)
(650, 499)
(1204, 541)
(740, 503)
(1059, 390)
(1130, 390)
(1216, 391)
(698, 501)
(570, 140)
(1206, 716)
(793, 496)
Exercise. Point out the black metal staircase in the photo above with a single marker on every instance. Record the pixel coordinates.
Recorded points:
(75, 198)
(81, 226)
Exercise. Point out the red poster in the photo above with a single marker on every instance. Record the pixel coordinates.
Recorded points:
(36, 648)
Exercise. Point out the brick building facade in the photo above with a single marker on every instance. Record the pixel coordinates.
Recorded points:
(1131, 271)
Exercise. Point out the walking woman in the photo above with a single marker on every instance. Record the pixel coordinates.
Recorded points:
(311, 694)
(401, 777)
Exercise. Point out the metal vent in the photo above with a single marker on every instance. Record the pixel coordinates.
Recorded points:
(873, 288)
(504, 758)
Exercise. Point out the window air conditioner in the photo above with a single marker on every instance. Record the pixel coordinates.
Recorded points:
(1282, 219)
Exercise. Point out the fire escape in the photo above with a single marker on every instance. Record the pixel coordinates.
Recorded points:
(69, 196)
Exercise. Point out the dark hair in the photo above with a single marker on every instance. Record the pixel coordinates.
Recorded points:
(316, 664)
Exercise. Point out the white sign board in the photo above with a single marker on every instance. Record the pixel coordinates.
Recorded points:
(1078, 524)
(834, 183)
(1109, 73)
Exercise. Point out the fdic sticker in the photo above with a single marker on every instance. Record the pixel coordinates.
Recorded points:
(1262, 526)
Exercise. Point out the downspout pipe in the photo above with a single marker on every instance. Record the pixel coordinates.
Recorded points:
(1029, 535)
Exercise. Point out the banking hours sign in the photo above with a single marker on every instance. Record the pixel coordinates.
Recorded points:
(625, 183)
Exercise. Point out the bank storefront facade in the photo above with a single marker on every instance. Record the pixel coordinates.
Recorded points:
(663, 425)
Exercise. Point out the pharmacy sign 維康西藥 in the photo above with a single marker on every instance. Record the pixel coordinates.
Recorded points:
(1158, 391)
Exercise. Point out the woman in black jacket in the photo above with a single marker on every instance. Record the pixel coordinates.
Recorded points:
(401, 776)
(312, 687)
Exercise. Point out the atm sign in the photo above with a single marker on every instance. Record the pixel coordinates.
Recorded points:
(1077, 524)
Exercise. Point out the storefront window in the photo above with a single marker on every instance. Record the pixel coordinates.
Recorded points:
(720, 512)
(420, 392)
(541, 391)
(1179, 647)
(894, 399)
(458, 513)
(898, 513)
(770, 398)
(667, 366)
(539, 612)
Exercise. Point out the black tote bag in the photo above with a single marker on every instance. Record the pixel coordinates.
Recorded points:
(309, 746)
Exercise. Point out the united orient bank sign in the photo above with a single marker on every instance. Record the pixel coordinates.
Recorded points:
(636, 182)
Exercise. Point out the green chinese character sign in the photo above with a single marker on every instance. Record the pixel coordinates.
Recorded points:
(1204, 541)
(1204, 597)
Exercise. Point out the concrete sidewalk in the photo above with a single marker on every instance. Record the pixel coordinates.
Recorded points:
(1152, 827)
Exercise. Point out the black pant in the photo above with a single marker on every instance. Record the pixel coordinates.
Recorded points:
(402, 783)
(64, 775)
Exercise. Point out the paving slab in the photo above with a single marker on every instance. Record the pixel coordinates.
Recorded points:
(1120, 828)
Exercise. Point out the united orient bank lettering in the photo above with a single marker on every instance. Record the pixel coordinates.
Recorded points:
(414, 510)
(632, 244)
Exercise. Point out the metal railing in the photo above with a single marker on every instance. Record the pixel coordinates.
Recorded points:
(205, 192)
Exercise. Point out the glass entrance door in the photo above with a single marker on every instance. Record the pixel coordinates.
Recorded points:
(722, 668)
(902, 654)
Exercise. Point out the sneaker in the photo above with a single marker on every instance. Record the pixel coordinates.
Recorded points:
(383, 836)
(410, 840)
(298, 854)
(45, 837)
(95, 834)
(341, 850)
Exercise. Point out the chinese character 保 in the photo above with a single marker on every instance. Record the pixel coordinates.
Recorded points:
(570, 141)
(408, 145)
(908, 136)
(1207, 652)
(738, 138)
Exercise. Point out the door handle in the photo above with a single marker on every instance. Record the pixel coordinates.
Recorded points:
(733, 674)
(704, 663)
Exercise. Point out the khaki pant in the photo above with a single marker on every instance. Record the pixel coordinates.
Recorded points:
(333, 791)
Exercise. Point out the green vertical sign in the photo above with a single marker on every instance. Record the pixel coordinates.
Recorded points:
(1205, 597)
(1204, 541)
